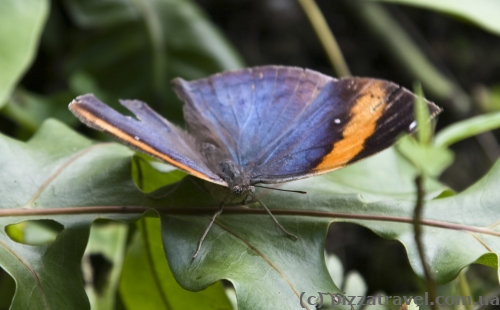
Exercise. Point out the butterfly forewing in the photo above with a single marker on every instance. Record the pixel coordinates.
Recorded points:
(250, 109)
(150, 133)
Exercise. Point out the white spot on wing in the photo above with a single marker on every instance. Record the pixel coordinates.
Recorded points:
(137, 138)
(413, 125)
(337, 121)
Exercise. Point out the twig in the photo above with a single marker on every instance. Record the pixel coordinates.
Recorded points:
(325, 36)
(419, 206)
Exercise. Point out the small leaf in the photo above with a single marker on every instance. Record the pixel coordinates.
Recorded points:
(21, 24)
(467, 128)
(429, 159)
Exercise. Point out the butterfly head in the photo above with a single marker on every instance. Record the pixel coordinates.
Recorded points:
(241, 190)
(238, 181)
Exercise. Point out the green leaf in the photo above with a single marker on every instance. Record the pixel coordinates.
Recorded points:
(102, 263)
(447, 250)
(267, 269)
(150, 175)
(21, 24)
(57, 168)
(483, 13)
(467, 128)
(396, 172)
(34, 232)
(431, 160)
(135, 51)
(148, 283)
(30, 110)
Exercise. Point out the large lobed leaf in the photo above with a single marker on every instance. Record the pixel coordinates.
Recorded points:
(60, 170)
(56, 169)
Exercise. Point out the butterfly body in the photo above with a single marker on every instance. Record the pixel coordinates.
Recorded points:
(268, 124)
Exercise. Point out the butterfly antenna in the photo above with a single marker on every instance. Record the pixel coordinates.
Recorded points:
(281, 190)
(275, 220)
(221, 208)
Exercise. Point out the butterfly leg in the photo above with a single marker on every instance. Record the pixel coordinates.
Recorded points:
(275, 220)
(221, 208)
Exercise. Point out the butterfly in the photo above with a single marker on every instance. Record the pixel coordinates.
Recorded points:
(263, 125)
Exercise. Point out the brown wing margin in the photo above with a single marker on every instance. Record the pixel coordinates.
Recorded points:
(141, 135)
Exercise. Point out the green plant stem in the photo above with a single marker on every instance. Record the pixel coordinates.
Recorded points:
(409, 55)
(467, 128)
(465, 289)
(238, 210)
(417, 226)
(325, 36)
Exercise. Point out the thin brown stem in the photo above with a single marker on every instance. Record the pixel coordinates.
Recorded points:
(238, 210)
(417, 227)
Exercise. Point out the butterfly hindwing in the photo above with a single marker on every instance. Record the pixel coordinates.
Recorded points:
(150, 133)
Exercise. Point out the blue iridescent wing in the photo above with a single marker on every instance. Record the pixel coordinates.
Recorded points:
(283, 123)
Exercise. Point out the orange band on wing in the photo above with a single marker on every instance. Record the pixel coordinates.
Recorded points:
(364, 115)
(137, 143)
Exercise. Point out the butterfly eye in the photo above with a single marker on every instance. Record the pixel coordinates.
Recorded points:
(237, 190)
